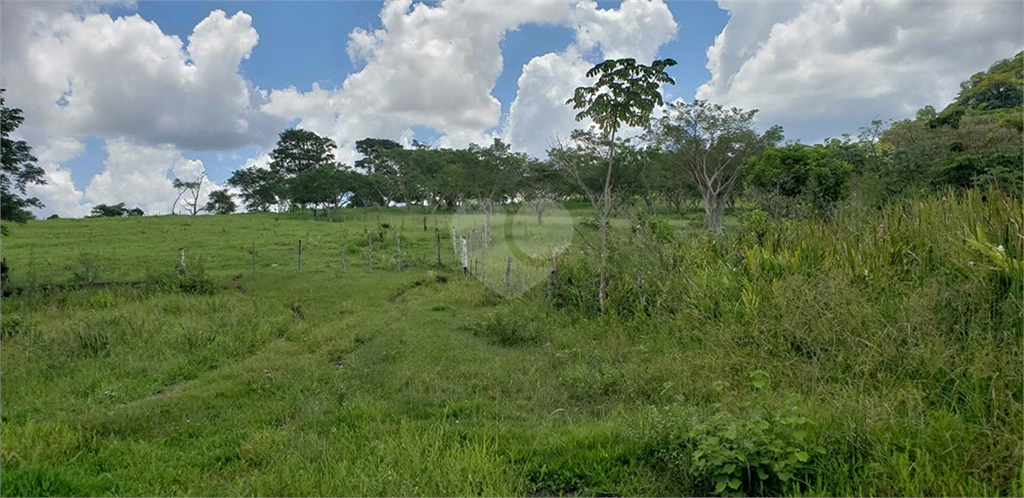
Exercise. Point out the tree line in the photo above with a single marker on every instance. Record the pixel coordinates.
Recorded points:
(694, 155)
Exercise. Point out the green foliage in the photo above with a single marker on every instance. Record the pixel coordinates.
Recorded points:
(756, 223)
(88, 269)
(18, 169)
(510, 328)
(756, 450)
(369, 384)
(260, 188)
(709, 146)
(973, 141)
(1001, 87)
(625, 93)
(782, 177)
(658, 228)
(220, 203)
(115, 211)
(298, 150)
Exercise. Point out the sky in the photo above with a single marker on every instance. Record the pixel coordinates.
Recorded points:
(120, 98)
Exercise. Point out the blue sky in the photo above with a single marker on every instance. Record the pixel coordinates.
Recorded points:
(149, 91)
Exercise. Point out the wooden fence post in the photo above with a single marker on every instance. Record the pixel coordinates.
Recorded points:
(181, 261)
(343, 266)
(398, 241)
(472, 251)
(437, 245)
(300, 257)
(253, 251)
(508, 272)
(640, 286)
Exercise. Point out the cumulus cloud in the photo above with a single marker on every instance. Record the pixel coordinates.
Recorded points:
(824, 68)
(140, 175)
(436, 66)
(80, 73)
(96, 75)
(76, 73)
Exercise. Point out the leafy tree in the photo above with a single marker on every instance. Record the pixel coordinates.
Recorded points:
(1001, 87)
(322, 187)
(375, 158)
(194, 190)
(260, 188)
(220, 202)
(104, 211)
(492, 176)
(797, 173)
(298, 150)
(711, 145)
(625, 93)
(385, 181)
(18, 170)
(136, 211)
(541, 184)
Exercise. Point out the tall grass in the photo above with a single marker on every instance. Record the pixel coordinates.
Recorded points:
(877, 352)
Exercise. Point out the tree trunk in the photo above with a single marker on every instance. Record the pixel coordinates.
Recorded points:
(487, 223)
(713, 208)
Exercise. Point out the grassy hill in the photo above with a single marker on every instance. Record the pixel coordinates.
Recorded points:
(878, 353)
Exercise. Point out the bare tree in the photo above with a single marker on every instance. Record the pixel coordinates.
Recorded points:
(193, 190)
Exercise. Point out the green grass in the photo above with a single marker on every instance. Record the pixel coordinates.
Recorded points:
(426, 382)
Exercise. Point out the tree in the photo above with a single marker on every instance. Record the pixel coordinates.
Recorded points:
(491, 176)
(625, 93)
(541, 185)
(18, 170)
(785, 177)
(322, 187)
(260, 188)
(220, 202)
(194, 189)
(383, 172)
(711, 145)
(298, 150)
(104, 211)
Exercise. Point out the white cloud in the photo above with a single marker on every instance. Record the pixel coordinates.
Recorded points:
(78, 75)
(824, 68)
(436, 66)
(138, 176)
(539, 116)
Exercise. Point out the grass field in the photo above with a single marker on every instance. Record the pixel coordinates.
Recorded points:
(878, 353)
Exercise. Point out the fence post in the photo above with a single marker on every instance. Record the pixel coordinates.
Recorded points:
(437, 245)
(640, 286)
(300, 257)
(455, 247)
(424, 223)
(472, 251)
(370, 239)
(398, 241)
(508, 272)
(253, 252)
(551, 276)
(465, 257)
(181, 261)
(343, 266)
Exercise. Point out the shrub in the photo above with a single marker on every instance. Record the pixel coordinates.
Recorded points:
(755, 450)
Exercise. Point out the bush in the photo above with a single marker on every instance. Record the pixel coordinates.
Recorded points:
(755, 450)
